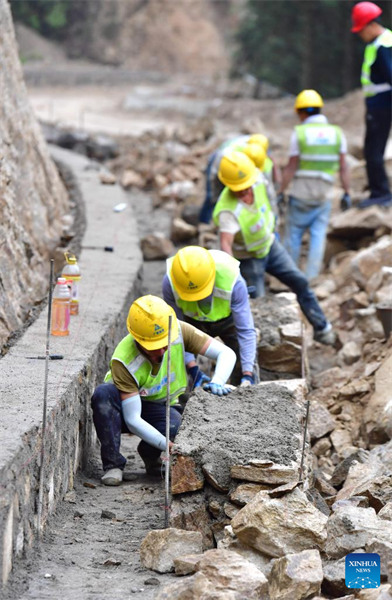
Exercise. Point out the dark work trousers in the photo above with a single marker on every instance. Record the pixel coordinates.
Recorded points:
(224, 329)
(279, 263)
(109, 424)
(378, 125)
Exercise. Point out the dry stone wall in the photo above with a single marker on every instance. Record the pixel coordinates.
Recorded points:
(33, 200)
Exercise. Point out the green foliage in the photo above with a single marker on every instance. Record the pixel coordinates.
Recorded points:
(48, 17)
(297, 44)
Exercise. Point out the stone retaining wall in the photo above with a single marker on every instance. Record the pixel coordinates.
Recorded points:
(110, 282)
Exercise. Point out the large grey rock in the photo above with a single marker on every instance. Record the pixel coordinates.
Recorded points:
(33, 199)
(351, 527)
(371, 477)
(384, 549)
(320, 421)
(370, 261)
(161, 546)
(355, 223)
(279, 526)
(230, 577)
(377, 416)
(280, 344)
(296, 576)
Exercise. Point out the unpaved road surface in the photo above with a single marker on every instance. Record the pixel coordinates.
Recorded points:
(91, 549)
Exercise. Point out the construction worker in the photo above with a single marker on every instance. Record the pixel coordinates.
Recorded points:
(246, 230)
(256, 147)
(376, 80)
(317, 151)
(133, 397)
(205, 288)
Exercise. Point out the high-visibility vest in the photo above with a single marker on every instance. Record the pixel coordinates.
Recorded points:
(369, 88)
(256, 227)
(153, 387)
(319, 150)
(226, 274)
(268, 165)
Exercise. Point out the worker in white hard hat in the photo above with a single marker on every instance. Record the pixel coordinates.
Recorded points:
(205, 288)
(246, 231)
(133, 397)
(317, 152)
(256, 146)
(376, 80)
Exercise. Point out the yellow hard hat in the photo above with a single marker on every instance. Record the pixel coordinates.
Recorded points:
(308, 99)
(193, 273)
(148, 322)
(237, 171)
(256, 153)
(259, 138)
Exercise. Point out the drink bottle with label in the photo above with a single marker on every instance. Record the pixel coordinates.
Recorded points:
(61, 308)
(71, 272)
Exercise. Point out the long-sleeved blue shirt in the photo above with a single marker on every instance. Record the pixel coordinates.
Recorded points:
(242, 317)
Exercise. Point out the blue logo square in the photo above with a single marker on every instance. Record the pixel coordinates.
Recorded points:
(362, 570)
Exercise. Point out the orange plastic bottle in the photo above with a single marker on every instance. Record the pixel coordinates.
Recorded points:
(71, 273)
(61, 308)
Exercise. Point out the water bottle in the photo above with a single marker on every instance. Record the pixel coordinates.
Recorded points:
(61, 308)
(71, 273)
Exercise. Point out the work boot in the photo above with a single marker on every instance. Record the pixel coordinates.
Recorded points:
(153, 466)
(326, 336)
(112, 477)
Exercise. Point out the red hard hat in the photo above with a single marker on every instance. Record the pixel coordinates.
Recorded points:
(362, 14)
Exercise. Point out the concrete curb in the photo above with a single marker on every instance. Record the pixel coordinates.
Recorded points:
(110, 282)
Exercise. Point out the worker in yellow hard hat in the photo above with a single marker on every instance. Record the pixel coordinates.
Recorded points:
(206, 289)
(133, 397)
(376, 80)
(256, 146)
(317, 152)
(246, 231)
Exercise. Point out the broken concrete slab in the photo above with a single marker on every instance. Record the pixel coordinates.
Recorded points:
(267, 439)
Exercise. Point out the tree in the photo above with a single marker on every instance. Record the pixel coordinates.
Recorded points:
(297, 44)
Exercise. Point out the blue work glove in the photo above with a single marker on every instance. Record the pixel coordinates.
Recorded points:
(345, 202)
(198, 377)
(217, 389)
(247, 380)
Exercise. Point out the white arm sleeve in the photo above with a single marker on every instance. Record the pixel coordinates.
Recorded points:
(225, 360)
(131, 410)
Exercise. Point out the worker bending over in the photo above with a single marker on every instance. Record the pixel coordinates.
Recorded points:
(317, 151)
(246, 229)
(206, 289)
(133, 397)
(256, 147)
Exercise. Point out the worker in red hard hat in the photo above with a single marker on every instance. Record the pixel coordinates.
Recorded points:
(376, 79)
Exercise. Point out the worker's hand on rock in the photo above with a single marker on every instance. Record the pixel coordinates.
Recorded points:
(198, 376)
(217, 389)
(345, 202)
(247, 380)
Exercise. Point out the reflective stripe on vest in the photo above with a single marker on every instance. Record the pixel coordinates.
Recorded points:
(226, 274)
(319, 149)
(256, 227)
(153, 387)
(369, 88)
